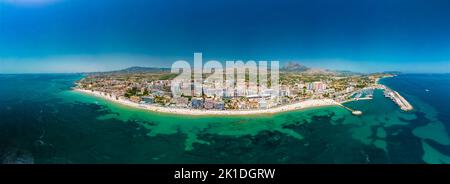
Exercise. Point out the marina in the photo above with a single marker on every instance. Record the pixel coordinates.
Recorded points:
(398, 99)
(367, 94)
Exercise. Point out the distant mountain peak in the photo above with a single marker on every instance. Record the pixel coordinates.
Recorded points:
(138, 69)
(294, 67)
(143, 69)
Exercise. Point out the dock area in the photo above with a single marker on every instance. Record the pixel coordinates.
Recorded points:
(395, 97)
(367, 94)
(398, 99)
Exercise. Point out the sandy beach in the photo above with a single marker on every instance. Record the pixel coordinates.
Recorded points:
(198, 112)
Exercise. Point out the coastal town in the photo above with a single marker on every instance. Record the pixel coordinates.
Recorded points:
(151, 89)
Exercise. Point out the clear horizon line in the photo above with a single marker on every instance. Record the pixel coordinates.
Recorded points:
(84, 72)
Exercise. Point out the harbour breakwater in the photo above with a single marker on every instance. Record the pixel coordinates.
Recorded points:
(396, 98)
(388, 93)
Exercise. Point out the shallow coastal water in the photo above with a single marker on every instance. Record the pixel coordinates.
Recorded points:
(43, 121)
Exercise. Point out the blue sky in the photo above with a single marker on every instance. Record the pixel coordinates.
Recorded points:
(358, 35)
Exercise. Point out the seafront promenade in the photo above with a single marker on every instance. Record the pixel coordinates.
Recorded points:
(197, 112)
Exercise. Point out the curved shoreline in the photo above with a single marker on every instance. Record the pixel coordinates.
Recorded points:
(197, 112)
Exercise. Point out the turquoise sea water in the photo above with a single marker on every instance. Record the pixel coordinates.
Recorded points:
(43, 121)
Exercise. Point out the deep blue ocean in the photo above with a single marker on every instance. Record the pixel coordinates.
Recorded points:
(43, 121)
(433, 89)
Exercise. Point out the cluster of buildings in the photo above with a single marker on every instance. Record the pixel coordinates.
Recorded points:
(214, 95)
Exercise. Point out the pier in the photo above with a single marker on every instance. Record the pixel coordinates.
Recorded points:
(354, 112)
